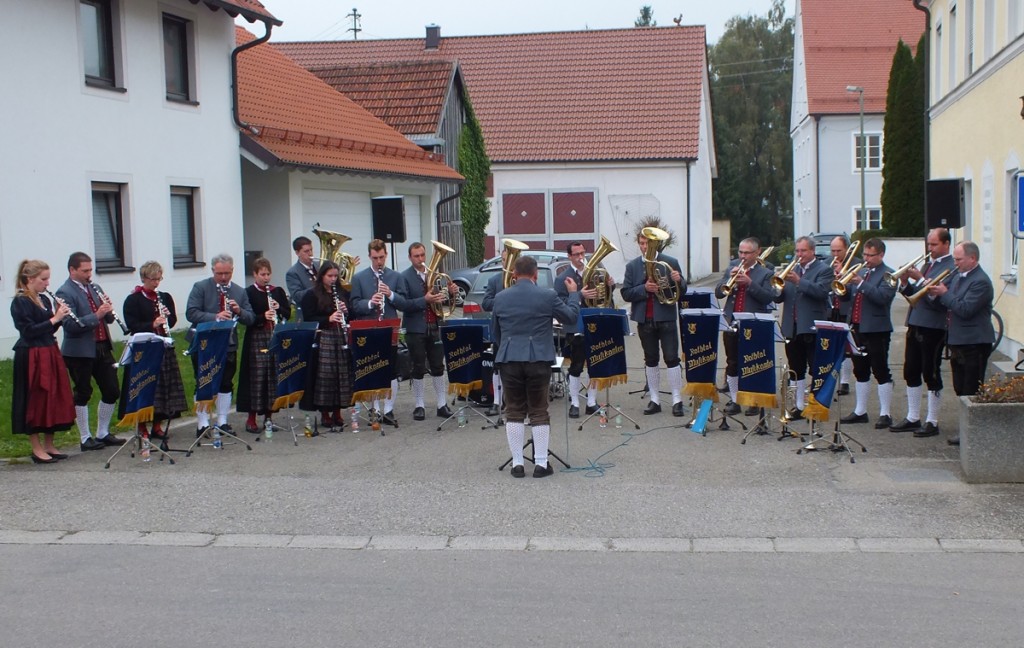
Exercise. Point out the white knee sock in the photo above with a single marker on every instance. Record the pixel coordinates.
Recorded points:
(734, 386)
(202, 418)
(863, 389)
(653, 383)
(934, 401)
(417, 391)
(801, 398)
(82, 418)
(223, 405)
(104, 413)
(440, 390)
(574, 391)
(389, 403)
(675, 383)
(846, 371)
(591, 396)
(496, 386)
(541, 437)
(515, 432)
(914, 404)
(884, 398)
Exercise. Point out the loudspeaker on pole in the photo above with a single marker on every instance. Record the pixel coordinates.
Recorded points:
(389, 219)
(944, 203)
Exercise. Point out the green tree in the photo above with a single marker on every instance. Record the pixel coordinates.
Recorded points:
(751, 79)
(646, 18)
(903, 147)
(475, 167)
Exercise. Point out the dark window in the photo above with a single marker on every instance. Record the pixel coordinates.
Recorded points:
(98, 42)
(183, 224)
(176, 58)
(108, 224)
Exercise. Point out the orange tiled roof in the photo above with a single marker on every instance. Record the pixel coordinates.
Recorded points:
(251, 10)
(852, 43)
(617, 94)
(407, 96)
(304, 122)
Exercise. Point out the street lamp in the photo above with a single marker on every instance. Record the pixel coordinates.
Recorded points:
(863, 151)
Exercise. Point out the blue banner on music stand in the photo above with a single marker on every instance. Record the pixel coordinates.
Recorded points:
(700, 351)
(142, 358)
(463, 344)
(371, 345)
(210, 346)
(756, 350)
(697, 298)
(604, 331)
(829, 350)
(291, 344)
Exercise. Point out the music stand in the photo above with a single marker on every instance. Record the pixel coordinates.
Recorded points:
(607, 406)
(463, 341)
(145, 397)
(705, 413)
(367, 328)
(205, 333)
(290, 346)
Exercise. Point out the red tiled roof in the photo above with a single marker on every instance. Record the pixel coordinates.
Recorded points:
(251, 10)
(304, 122)
(618, 94)
(852, 43)
(409, 96)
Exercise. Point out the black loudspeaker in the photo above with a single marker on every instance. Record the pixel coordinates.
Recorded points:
(944, 203)
(389, 219)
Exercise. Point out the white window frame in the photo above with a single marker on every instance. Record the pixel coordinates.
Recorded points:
(871, 209)
(873, 164)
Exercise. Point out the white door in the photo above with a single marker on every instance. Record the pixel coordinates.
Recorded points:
(344, 212)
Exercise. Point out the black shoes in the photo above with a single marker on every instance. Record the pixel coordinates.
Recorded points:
(111, 440)
(389, 419)
(226, 427)
(444, 412)
(854, 418)
(542, 471)
(492, 411)
(796, 415)
(652, 408)
(591, 409)
(91, 444)
(37, 460)
(518, 472)
(752, 411)
(883, 422)
(574, 411)
(56, 455)
(419, 414)
(677, 409)
(906, 425)
(844, 389)
(930, 430)
(201, 431)
(731, 408)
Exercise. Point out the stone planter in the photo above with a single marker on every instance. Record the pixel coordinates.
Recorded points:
(991, 441)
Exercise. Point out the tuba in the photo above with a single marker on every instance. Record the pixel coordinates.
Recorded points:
(596, 277)
(513, 249)
(439, 281)
(659, 271)
(330, 250)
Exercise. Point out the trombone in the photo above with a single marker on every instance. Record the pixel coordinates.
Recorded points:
(763, 257)
(893, 278)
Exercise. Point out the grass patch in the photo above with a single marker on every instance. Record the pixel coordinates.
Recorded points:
(17, 445)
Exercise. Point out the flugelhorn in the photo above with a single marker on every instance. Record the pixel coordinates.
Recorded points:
(596, 277)
(893, 278)
(779, 280)
(330, 250)
(923, 291)
(439, 281)
(513, 249)
(659, 271)
(731, 284)
(842, 285)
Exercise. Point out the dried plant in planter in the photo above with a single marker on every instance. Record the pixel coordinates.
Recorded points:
(1000, 389)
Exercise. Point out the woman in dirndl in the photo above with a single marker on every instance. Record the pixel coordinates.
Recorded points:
(328, 379)
(147, 310)
(42, 403)
(257, 382)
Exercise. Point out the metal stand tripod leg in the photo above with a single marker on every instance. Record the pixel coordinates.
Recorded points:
(608, 409)
(761, 428)
(208, 434)
(532, 458)
(472, 410)
(136, 442)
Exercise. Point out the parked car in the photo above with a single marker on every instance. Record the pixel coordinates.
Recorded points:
(823, 244)
(465, 278)
(546, 273)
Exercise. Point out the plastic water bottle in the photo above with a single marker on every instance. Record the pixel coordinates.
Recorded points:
(375, 420)
(602, 416)
(354, 416)
(618, 421)
(268, 430)
(217, 443)
(462, 418)
(307, 427)
(144, 453)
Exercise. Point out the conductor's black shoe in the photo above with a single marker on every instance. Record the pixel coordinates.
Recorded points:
(853, 417)
(492, 411)
(906, 425)
(444, 412)
(419, 414)
(844, 389)
(677, 409)
(796, 415)
(111, 440)
(752, 411)
(574, 411)
(954, 441)
(201, 431)
(518, 472)
(226, 427)
(389, 419)
(884, 421)
(652, 408)
(592, 408)
(731, 408)
(543, 471)
(930, 430)
(91, 444)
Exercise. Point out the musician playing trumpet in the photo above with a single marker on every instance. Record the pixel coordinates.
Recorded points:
(746, 287)
(871, 297)
(926, 337)
(841, 256)
(257, 379)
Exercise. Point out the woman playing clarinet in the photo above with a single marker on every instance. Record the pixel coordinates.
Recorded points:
(329, 382)
(257, 383)
(147, 310)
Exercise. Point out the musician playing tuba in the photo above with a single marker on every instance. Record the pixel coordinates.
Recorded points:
(657, 321)
(510, 251)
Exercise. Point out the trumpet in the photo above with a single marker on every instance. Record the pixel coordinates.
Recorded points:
(658, 271)
(779, 280)
(105, 299)
(596, 277)
(842, 285)
(60, 302)
(731, 284)
(893, 278)
(923, 291)
(513, 249)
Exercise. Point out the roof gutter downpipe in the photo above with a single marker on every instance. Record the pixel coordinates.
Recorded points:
(689, 229)
(920, 6)
(234, 78)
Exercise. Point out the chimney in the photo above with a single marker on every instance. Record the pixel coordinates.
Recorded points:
(433, 37)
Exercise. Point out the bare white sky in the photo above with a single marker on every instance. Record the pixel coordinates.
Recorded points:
(326, 19)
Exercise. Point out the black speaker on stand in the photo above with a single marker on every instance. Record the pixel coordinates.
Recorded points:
(944, 203)
(389, 221)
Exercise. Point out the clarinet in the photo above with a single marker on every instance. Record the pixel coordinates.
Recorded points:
(380, 315)
(227, 300)
(162, 309)
(344, 321)
(274, 306)
(105, 299)
(60, 302)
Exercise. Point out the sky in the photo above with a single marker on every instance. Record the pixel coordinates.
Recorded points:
(325, 19)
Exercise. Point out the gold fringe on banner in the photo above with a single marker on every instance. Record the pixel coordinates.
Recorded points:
(757, 399)
(371, 394)
(287, 400)
(815, 411)
(144, 415)
(705, 391)
(463, 389)
(610, 381)
(205, 405)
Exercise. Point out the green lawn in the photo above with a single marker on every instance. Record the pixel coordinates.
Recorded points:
(18, 446)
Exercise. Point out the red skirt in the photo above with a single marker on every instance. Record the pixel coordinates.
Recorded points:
(42, 392)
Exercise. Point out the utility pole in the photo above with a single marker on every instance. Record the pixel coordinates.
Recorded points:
(355, 29)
